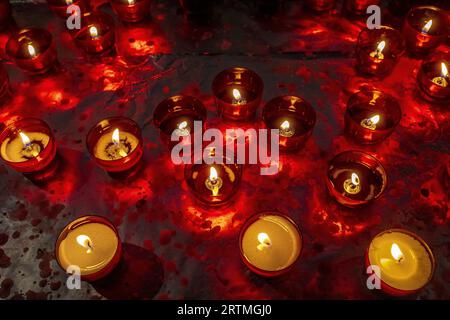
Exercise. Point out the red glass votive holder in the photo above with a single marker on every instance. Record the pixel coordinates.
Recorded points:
(424, 29)
(28, 146)
(270, 244)
(96, 35)
(92, 244)
(371, 116)
(320, 5)
(32, 50)
(176, 115)
(213, 184)
(294, 117)
(59, 7)
(434, 80)
(359, 7)
(355, 178)
(5, 12)
(237, 92)
(406, 263)
(4, 85)
(131, 10)
(115, 144)
(378, 50)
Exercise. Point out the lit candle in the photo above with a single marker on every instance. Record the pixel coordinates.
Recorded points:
(377, 50)
(92, 243)
(355, 178)
(213, 185)
(32, 50)
(270, 244)
(27, 145)
(176, 115)
(96, 35)
(406, 262)
(433, 78)
(116, 144)
(293, 117)
(424, 29)
(131, 10)
(237, 92)
(371, 116)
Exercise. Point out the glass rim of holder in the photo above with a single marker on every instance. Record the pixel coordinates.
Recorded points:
(252, 219)
(49, 150)
(399, 292)
(84, 219)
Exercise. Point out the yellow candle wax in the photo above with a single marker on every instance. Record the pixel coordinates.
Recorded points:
(89, 243)
(406, 262)
(115, 145)
(271, 243)
(24, 146)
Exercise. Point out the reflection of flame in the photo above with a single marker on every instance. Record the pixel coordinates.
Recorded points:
(237, 94)
(182, 125)
(427, 26)
(264, 241)
(25, 140)
(93, 32)
(285, 125)
(31, 51)
(375, 119)
(116, 136)
(396, 253)
(444, 71)
(85, 242)
(381, 46)
(355, 179)
(69, 2)
(130, 2)
(213, 174)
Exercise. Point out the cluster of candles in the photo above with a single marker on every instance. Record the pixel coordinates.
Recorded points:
(270, 242)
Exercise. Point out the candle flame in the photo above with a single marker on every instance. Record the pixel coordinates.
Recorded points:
(69, 2)
(85, 242)
(285, 125)
(264, 241)
(396, 253)
(237, 94)
(130, 2)
(116, 136)
(375, 119)
(444, 71)
(182, 125)
(93, 31)
(25, 139)
(427, 26)
(213, 174)
(31, 51)
(355, 179)
(381, 46)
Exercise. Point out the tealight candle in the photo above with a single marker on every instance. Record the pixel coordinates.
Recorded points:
(270, 244)
(92, 243)
(28, 146)
(378, 50)
(131, 10)
(294, 117)
(320, 5)
(355, 178)
(434, 80)
(177, 115)
(371, 116)
(405, 261)
(213, 184)
(32, 50)
(96, 35)
(237, 92)
(116, 144)
(59, 7)
(424, 29)
(359, 7)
